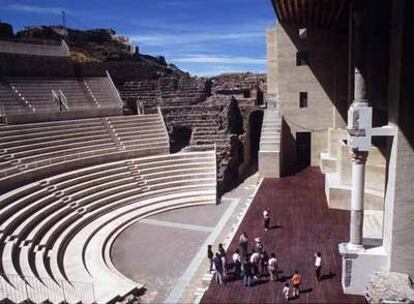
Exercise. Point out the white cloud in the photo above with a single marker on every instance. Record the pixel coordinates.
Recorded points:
(219, 59)
(189, 38)
(35, 9)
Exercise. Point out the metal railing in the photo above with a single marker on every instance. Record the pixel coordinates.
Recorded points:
(20, 288)
(164, 124)
(117, 96)
(63, 100)
(60, 100)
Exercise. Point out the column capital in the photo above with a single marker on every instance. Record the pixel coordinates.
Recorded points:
(358, 157)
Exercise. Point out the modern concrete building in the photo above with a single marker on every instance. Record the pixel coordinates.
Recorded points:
(325, 57)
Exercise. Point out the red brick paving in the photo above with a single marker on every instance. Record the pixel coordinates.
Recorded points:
(305, 225)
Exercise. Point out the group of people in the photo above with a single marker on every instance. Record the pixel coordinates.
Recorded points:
(250, 266)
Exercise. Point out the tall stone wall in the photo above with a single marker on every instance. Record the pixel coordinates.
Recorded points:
(399, 201)
(322, 75)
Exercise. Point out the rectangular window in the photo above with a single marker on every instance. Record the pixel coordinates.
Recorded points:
(302, 58)
(303, 99)
(303, 33)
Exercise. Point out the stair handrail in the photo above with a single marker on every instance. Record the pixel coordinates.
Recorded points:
(63, 100)
(164, 124)
(14, 286)
(55, 98)
(117, 96)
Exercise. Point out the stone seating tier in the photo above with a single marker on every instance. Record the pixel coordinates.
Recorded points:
(45, 147)
(59, 231)
(81, 95)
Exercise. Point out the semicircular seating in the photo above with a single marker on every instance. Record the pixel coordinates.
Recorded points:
(58, 232)
(32, 151)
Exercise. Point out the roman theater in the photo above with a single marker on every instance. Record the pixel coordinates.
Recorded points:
(117, 168)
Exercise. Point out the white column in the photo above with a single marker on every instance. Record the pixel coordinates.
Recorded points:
(359, 159)
(361, 121)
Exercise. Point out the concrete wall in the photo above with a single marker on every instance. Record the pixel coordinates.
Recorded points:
(324, 79)
(34, 49)
(269, 166)
(272, 60)
(35, 66)
(399, 201)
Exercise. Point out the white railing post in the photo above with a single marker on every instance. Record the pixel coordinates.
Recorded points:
(63, 100)
(65, 47)
(118, 97)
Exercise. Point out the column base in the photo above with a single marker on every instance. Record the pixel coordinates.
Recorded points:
(350, 248)
(358, 264)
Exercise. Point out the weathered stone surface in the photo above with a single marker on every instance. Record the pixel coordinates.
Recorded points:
(390, 286)
(214, 110)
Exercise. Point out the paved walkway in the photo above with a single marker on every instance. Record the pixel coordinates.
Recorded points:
(166, 252)
(301, 225)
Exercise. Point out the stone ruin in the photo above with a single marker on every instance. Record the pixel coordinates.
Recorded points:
(202, 114)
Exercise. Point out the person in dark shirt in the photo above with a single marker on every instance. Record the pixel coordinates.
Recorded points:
(222, 253)
(264, 258)
(247, 273)
(210, 256)
(243, 242)
(218, 265)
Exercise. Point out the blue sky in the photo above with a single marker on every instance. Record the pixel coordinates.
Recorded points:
(203, 37)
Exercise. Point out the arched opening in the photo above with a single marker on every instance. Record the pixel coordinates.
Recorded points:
(255, 130)
(251, 145)
(180, 138)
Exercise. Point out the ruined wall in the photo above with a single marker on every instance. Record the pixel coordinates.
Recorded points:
(213, 111)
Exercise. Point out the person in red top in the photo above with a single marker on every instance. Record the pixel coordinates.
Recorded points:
(296, 281)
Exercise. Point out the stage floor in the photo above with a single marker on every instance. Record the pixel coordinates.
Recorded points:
(301, 225)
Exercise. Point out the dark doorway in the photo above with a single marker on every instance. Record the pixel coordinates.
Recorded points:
(132, 106)
(255, 130)
(303, 149)
(259, 97)
(180, 138)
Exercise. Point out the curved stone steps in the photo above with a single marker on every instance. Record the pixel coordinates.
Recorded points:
(47, 223)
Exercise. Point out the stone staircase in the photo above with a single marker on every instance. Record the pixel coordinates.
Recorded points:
(270, 144)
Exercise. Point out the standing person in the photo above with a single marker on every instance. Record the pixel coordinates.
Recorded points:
(318, 265)
(296, 282)
(218, 265)
(237, 263)
(254, 261)
(247, 273)
(243, 242)
(266, 219)
(272, 267)
(258, 246)
(285, 291)
(210, 256)
(264, 258)
(222, 253)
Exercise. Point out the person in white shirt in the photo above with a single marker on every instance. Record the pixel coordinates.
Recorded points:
(272, 268)
(285, 291)
(318, 265)
(237, 263)
(266, 219)
(254, 260)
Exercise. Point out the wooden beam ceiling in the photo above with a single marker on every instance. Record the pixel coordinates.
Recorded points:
(312, 13)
